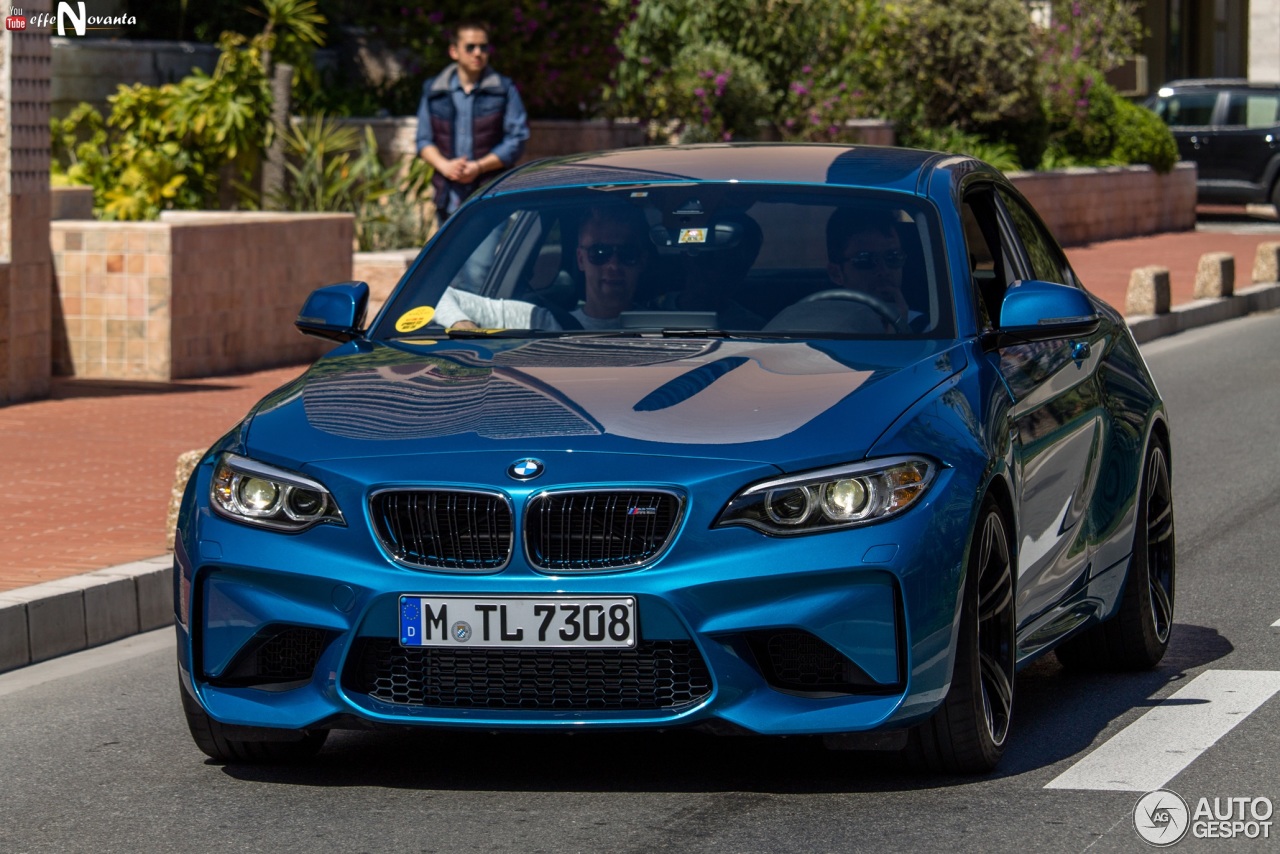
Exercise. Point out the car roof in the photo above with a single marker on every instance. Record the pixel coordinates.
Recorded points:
(1219, 83)
(902, 169)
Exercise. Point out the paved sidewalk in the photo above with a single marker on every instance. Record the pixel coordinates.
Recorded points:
(87, 473)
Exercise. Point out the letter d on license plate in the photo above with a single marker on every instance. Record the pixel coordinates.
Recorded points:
(526, 622)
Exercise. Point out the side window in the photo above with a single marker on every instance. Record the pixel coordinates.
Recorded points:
(1253, 110)
(988, 263)
(1187, 109)
(1047, 262)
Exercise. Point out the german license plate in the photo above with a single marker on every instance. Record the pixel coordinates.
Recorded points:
(526, 622)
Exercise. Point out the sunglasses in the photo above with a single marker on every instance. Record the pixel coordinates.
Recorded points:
(601, 253)
(892, 259)
(472, 48)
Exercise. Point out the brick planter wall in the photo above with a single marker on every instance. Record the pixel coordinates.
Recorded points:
(1085, 205)
(194, 295)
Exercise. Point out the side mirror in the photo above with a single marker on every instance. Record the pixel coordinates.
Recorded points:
(1040, 311)
(335, 312)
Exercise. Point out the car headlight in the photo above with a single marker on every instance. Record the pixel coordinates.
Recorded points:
(831, 499)
(259, 494)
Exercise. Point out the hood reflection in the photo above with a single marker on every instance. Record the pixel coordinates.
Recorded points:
(697, 392)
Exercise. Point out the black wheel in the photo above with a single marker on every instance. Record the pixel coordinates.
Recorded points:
(211, 737)
(1138, 635)
(1275, 195)
(879, 306)
(967, 734)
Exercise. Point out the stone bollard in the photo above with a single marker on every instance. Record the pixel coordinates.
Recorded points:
(1148, 291)
(1266, 264)
(187, 463)
(1216, 275)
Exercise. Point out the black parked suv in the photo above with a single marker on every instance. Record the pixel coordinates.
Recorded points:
(1231, 129)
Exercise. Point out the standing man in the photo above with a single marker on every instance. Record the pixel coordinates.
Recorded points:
(471, 120)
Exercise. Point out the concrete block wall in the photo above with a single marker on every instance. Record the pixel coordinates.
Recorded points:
(193, 295)
(88, 69)
(71, 203)
(1085, 205)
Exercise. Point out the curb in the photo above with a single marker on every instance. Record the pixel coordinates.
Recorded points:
(57, 617)
(1203, 312)
(70, 614)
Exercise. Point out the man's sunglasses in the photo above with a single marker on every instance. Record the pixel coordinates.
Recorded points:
(892, 259)
(599, 254)
(472, 48)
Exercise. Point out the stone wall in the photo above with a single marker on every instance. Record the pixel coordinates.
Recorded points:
(194, 295)
(24, 212)
(1085, 205)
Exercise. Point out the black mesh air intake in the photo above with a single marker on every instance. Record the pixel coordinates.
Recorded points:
(656, 675)
(801, 663)
(276, 654)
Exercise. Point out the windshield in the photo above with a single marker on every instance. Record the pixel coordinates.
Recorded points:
(739, 260)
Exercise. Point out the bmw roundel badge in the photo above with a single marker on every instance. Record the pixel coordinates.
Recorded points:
(526, 469)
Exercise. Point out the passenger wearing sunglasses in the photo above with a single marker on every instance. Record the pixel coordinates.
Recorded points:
(471, 121)
(865, 254)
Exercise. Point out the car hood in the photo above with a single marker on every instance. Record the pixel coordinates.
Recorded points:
(794, 404)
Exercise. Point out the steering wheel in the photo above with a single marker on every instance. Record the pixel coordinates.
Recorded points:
(879, 306)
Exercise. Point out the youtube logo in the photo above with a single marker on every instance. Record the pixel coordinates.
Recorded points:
(15, 22)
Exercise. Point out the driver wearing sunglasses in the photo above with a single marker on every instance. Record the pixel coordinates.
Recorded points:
(611, 254)
(865, 254)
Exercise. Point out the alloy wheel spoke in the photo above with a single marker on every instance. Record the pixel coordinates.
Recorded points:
(997, 687)
(1160, 527)
(1161, 607)
(996, 599)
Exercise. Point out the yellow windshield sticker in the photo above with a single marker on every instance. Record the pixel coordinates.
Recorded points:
(693, 235)
(415, 318)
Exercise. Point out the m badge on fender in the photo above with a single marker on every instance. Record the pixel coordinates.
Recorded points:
(526, 469)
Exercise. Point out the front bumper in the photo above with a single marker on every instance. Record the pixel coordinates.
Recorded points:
(301, 631)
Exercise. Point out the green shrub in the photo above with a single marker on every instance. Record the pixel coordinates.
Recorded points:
(833, 42)
(714, 93)
(955, 141)
(1141, 137)
(332, 169)
(938, 70)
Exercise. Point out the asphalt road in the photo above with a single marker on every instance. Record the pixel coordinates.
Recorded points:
(94, 755)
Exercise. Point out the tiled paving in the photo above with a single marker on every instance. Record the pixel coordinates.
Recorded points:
(87, 473)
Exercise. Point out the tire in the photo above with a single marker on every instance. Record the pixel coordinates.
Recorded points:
(212, 738)
(1138, 635)
(967, 734)
(1275, 196)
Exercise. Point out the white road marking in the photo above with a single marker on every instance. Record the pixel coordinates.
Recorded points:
(1155, 748)
(1276, 624)
(86, 660)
